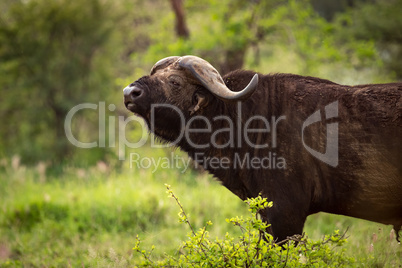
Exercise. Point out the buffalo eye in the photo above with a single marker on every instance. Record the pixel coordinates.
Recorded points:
(175, 81)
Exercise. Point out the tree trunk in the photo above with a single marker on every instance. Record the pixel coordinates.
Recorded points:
(181, 26)
(234, 59)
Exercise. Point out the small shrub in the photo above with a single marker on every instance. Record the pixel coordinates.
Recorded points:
(254, 248)
(33, 213)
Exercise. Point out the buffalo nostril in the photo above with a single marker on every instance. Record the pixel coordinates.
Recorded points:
(131, 94)
(135, 92)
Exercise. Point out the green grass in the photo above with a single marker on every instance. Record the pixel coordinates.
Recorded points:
(91, 217)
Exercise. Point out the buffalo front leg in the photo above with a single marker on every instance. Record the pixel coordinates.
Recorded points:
(283, 225)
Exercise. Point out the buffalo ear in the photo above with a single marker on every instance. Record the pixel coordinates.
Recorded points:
(199, 101)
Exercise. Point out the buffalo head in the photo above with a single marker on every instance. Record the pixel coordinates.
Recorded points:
(189, 83)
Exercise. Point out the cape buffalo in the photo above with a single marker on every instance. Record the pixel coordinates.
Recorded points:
(305, 143)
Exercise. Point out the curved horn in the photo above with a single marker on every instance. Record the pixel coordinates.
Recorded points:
(213, 81)
(163, 63)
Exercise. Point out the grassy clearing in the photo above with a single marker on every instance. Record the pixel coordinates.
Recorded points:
(91, 217)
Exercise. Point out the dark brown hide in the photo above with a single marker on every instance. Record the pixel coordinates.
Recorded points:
(366, 183)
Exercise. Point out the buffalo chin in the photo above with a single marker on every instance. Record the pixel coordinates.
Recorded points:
(131, 107)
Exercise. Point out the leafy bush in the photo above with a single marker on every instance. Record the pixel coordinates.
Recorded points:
(25, 218)
(254, 248)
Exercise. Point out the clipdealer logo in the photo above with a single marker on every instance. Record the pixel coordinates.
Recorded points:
(330, 156)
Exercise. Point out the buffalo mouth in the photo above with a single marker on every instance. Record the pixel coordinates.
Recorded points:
(136, 109)
(133, 107)
(130, 106)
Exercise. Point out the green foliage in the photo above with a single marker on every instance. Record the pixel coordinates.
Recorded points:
(90, 217)
(232, 34)
(82, 216)
(26, 217)
(379, 23)
(254, 248)
(55, 55)
(52, 58)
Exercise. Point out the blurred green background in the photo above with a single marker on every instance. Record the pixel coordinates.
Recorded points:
(61, 205)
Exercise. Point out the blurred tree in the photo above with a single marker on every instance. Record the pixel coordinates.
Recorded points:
(380, 22)
(329, 8)
(181, 26)
(224, 31)
(57, 54)
(51, 59)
